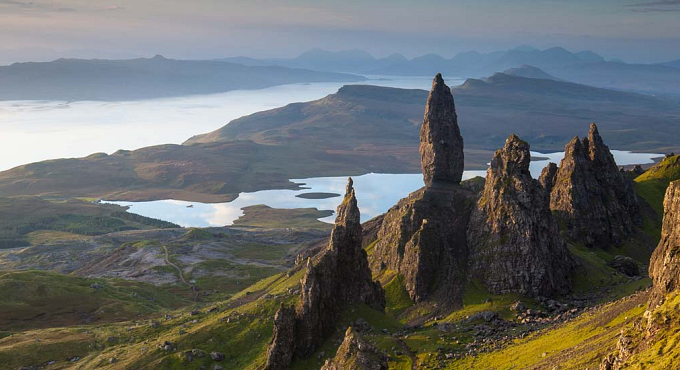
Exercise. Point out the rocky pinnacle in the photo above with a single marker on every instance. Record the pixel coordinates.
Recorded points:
(441, 146)
(513, 220)
(336, 277)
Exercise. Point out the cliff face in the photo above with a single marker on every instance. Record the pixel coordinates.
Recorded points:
(514, 241)
(595, 201)
(441, 146)
(660, 321)
(664, 267)
(339, 278)
(423, 237)
(357, 354)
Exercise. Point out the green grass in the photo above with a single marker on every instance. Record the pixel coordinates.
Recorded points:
(396, 296)
(34, 299)
(267, 217)
(652, 184)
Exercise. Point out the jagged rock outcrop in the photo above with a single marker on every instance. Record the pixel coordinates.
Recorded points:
(423, 237)
(514, 241)
(548, 177)
(595, 201)
(282, 345)
(441, 146)
(356, 354)
(339, 277)
(664, 267)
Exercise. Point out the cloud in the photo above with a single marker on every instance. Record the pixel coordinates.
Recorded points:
(34, 6)
(656, 3)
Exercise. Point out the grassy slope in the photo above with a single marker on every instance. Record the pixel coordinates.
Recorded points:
(26, 220)
(34, 299)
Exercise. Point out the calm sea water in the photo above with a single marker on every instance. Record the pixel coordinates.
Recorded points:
(38, 130)
(376, 193)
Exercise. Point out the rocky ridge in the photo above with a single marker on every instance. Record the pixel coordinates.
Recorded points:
(514, 241)
(595, 201)
(436, 241)
(340, 277)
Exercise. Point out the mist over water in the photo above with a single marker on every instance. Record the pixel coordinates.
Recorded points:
(39, 130)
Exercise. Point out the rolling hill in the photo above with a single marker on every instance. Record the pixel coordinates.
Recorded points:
(359, 129)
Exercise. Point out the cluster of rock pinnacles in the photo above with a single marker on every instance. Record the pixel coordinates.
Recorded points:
(444, 235)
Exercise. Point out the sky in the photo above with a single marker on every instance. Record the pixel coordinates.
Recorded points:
(36, 30)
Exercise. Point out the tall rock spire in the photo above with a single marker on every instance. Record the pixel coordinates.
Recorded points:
(441, 146)
(339, 277)
(513, 220)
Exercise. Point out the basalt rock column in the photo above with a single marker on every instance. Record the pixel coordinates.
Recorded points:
(441, 146)
(514, 242)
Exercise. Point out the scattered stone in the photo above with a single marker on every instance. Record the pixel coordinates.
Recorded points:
(217, 356)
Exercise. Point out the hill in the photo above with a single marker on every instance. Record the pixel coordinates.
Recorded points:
(359, 129)
(79, 79)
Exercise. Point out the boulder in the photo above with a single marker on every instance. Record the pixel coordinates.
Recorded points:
(356, 354)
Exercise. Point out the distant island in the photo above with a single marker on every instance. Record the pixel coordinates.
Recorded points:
(144, 78)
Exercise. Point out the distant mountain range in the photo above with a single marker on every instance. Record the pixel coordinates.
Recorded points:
(585, 67)
(97, 79)
(357, 130)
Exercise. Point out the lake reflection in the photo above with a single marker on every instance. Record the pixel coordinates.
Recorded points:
(376, 193)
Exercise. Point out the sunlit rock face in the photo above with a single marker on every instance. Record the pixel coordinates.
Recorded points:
(591, 197)
(664, 267)
(357, 354)
(514, 242)
(339, 277)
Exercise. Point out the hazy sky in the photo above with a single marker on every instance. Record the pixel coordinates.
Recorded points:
(633, 30)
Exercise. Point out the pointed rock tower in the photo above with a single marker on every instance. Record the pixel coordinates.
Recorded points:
(591, 197)
(514, 241)
(423, 237)
(339, 277)
(441, 146)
